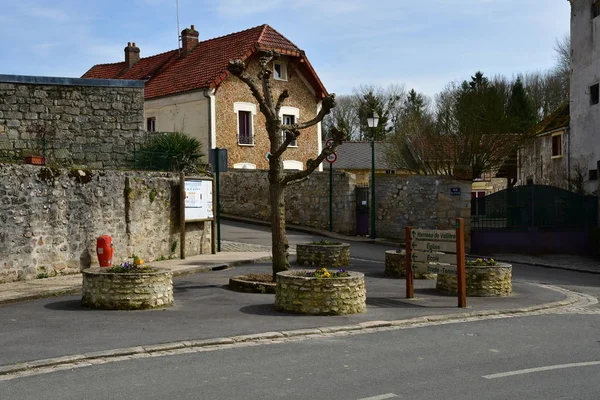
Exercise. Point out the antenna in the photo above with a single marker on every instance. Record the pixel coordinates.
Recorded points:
(178, 37)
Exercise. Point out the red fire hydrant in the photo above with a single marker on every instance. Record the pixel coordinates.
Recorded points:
(104, 250)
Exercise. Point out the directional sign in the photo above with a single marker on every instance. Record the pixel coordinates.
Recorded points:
(437, 235)
(331, 158)
(426, 268)
(433, 257)
(421, 245)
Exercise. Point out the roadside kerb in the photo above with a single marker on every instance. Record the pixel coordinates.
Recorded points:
(364, 327)
(76, 289)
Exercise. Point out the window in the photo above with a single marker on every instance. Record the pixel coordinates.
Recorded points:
(280, 71)
(593, 175)
(557, 145)
(390, 171)
(245, 127)
(594, 94)
(595, 9)
(477, 203)
(245, 122)
(289, 120)
(151, 124)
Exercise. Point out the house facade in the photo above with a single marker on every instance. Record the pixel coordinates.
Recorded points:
(189, 90)
(584, 134)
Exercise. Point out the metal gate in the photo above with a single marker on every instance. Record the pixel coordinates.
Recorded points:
(362, 210)
(533, 219)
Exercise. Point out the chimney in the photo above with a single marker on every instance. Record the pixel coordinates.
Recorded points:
(189, 40)
(132, 54)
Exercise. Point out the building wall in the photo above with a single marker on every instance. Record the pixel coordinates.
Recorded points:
(585, 117)
(187, 113)
(233, 90)
(536, 162)
(88, 122)
(50, 219)
(419, 201)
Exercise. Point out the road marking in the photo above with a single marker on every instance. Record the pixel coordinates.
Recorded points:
(380, 397)
(541, 369)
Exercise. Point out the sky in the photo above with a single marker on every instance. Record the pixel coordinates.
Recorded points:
(420, 44)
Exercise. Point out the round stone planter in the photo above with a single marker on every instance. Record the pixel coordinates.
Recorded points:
(320, 296)
(127, 291)
(239, 284)
(482, 281)
(322, 255)
(395, 266)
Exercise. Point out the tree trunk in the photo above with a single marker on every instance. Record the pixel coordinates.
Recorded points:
(278, 237)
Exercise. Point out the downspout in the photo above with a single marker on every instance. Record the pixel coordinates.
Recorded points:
(319, 135)
(568, 131)
(212, 118)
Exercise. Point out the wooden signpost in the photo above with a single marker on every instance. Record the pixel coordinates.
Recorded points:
(427, 252)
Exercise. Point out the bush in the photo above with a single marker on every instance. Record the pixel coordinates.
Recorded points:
(172, 151)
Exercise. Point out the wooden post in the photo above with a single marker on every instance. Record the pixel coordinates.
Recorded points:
(461, 276)
(410, 292)
(182, 215)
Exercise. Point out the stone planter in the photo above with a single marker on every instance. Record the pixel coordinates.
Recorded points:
(321, 255)
(127, 291)
(482, 281)
(395, 266)
(320, 296)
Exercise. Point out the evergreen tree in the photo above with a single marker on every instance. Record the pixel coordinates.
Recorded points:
(520, 110)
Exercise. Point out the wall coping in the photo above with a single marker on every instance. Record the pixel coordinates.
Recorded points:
(52, 80)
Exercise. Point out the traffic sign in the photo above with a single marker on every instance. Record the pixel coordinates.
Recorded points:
(422, 245)
(329, 142)
(427, 268)
(433, 257)
(331, 158)
(429, 234)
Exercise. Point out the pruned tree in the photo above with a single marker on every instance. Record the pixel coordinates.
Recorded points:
(270, 106)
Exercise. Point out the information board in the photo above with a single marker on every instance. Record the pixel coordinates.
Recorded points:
(198, 200)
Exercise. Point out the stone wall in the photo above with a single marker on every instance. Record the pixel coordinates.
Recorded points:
(86, 122)
(246, 193)
(420, 201)
(50, 219)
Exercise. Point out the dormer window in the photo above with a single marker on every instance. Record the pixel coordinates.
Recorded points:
(279, 71)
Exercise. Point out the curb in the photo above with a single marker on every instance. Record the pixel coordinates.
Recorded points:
(76, 289)
(364, 327)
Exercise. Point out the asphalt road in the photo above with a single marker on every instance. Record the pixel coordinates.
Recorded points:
(534, 358)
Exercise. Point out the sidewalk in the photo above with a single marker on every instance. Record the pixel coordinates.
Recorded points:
(587, 264)
(233, 254)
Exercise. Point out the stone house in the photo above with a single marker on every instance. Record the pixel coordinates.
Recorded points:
(545, 160)
(568, 141)
(355, 158)
(190, 90)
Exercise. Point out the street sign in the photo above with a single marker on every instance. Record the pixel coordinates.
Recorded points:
(429, 234)
(427, 268)
(455, 191)
(421, 245)
(329, 143)
(331, 158)
(433, 257)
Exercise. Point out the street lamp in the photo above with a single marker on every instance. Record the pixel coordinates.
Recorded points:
(372, 122)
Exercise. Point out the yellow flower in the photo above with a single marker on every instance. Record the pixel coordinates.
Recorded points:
(479, 260)
(492, 260)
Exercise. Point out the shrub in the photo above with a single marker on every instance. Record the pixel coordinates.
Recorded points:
(174, 151)
(482, 262)
(323, 273)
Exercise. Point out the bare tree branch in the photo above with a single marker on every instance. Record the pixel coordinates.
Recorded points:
(284, 95)
(338, 138)
(238, 69)
(326, 106)
(289, 138)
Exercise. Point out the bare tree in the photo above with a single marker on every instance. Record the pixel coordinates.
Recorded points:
(278, 179)
(344, 116)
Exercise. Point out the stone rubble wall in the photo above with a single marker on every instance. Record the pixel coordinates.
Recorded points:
(425, 202)
(320, 296)
(246, 193)
(133, 291)
(50, 219)
(88, 123)
(492, 281)
(327, 256)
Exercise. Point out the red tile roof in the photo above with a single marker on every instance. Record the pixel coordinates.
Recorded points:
(206, 65)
